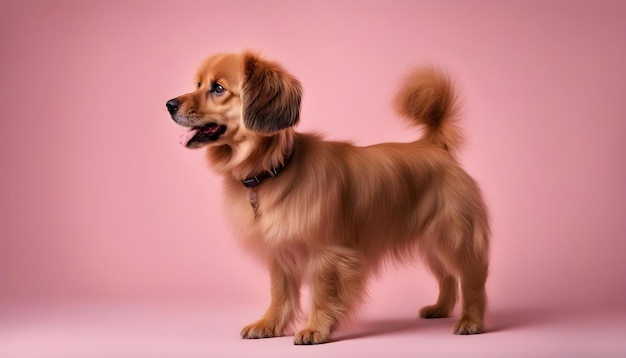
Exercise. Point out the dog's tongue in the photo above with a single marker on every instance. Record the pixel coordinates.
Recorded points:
(184, 138)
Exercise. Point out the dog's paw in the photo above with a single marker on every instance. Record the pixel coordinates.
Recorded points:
(260, 329)
(467, 326)
(434, 311)
(310, 336)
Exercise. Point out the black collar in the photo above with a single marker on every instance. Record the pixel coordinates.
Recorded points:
(252, 182)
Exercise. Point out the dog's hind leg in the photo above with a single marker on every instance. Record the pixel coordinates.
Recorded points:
(448, 290)
(473, 279)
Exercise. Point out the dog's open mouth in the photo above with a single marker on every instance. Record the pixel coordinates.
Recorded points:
(198, 136)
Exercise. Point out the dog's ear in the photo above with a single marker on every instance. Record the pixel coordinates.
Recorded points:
(271, 96)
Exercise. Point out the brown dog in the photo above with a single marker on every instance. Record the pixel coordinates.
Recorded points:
(329, 213)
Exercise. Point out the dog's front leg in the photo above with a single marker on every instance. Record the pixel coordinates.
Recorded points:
(283, 307)
(338, 280)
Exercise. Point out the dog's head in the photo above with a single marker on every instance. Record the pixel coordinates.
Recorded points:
(238, 96)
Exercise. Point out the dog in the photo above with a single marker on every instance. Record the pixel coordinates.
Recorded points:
(329, 213)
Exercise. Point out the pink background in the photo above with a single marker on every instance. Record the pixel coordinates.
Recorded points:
(99, 205)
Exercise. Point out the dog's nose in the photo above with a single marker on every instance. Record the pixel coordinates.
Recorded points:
(172, 105)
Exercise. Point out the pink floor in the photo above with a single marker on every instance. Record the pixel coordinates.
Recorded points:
(177, 331)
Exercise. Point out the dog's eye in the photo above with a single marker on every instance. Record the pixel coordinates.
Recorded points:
(199, 84)
(217, 88)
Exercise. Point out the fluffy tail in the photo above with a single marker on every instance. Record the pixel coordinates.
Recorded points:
(427, 97)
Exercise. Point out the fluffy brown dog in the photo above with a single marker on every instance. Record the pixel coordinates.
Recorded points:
(329, 213)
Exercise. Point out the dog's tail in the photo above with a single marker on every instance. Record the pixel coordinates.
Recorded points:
(427, 97)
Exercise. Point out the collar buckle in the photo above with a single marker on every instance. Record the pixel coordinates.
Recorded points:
(251, 182)
(254, 181)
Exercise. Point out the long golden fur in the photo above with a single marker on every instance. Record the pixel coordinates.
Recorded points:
(335, 211)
